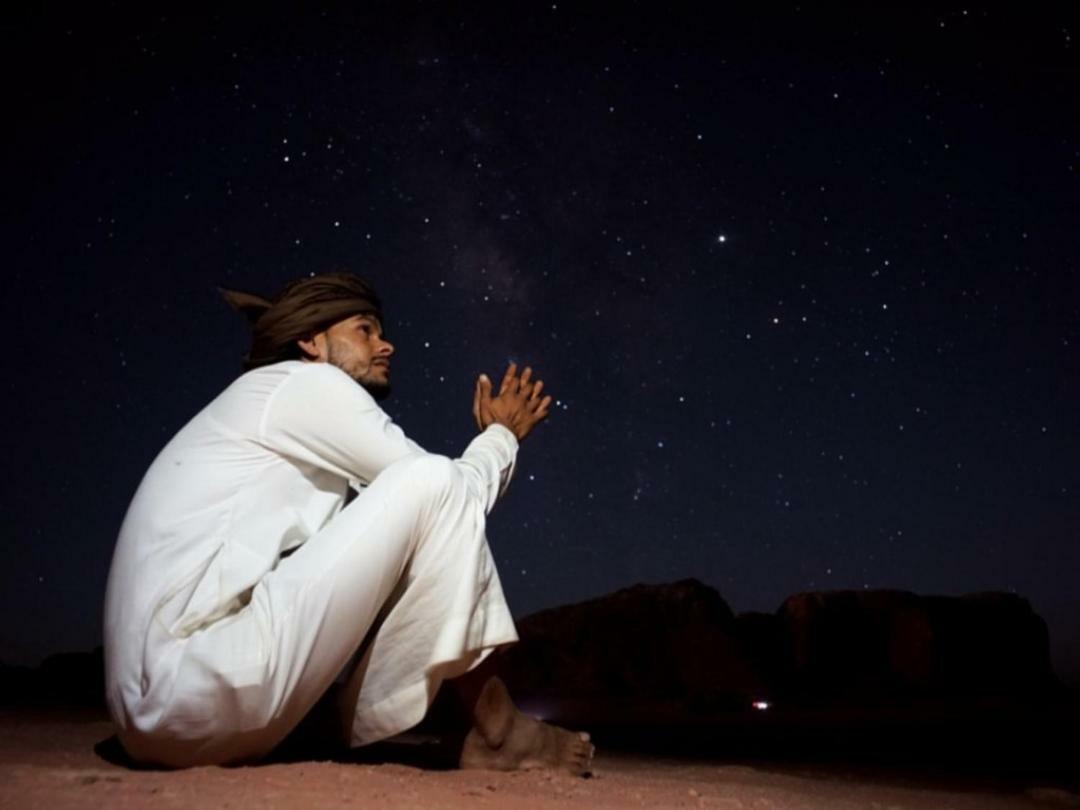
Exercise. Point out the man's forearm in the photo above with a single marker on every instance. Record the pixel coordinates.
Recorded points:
(488, 463)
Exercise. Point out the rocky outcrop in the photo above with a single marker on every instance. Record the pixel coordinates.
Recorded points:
(64, 679)
(675, 645)
(676, 650)
(881, 642)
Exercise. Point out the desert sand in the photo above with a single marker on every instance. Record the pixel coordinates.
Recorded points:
(52, 761)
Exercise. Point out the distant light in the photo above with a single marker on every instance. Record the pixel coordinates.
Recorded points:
(721, 238)
(761, 705)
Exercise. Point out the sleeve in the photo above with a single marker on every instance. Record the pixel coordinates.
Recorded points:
(320, 416)
(488, 463)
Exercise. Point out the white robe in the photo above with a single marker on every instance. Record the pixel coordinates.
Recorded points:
(216, 646)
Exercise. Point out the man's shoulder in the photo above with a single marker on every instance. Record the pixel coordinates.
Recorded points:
(276, 373)
(315, 380)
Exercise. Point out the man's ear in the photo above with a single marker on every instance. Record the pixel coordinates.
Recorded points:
(313, 347)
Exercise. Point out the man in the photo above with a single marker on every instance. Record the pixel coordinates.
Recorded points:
(243, 587)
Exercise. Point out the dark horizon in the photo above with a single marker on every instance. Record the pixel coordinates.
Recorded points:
(803, 282)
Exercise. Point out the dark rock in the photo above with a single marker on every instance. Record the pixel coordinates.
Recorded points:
(64, 679)
(763, 639)
(16, 683)
(676, 654)
(989, 642)
(884, 642)
(639, 648)
(77, 679)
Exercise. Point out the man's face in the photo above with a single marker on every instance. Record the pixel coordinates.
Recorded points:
(356, 346)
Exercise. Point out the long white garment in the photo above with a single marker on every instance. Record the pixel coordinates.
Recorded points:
(216, 646)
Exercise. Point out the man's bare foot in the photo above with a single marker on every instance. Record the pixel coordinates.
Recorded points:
(504, 739)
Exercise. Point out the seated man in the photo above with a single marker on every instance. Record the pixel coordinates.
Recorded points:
(244, 583)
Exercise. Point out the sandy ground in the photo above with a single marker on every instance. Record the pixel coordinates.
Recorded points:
(51, 762)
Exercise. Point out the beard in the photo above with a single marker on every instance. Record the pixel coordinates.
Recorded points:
(378, 389)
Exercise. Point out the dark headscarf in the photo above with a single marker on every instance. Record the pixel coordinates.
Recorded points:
(304, 307)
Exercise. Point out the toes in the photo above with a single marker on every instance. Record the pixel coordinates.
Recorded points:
(582, 757)
(579, 755)
(584, 745)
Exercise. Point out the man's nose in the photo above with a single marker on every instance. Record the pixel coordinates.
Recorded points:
(386, 349)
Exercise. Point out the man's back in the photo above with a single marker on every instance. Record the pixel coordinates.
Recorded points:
(245, 480)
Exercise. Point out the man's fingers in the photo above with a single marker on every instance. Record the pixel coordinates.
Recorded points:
(486, 416)
(537, 389)
(525, 377)
(535, 404)
(542, 411)
(476, 405)
(508, 378)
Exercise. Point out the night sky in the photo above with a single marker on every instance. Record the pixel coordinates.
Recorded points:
(804, 284)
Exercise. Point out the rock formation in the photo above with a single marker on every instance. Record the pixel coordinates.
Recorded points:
(881, 642)
(676, 652)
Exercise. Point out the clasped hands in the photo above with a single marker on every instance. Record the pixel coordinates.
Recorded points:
(518, 405)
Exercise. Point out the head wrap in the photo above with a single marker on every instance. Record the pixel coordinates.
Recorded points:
(304, 307)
